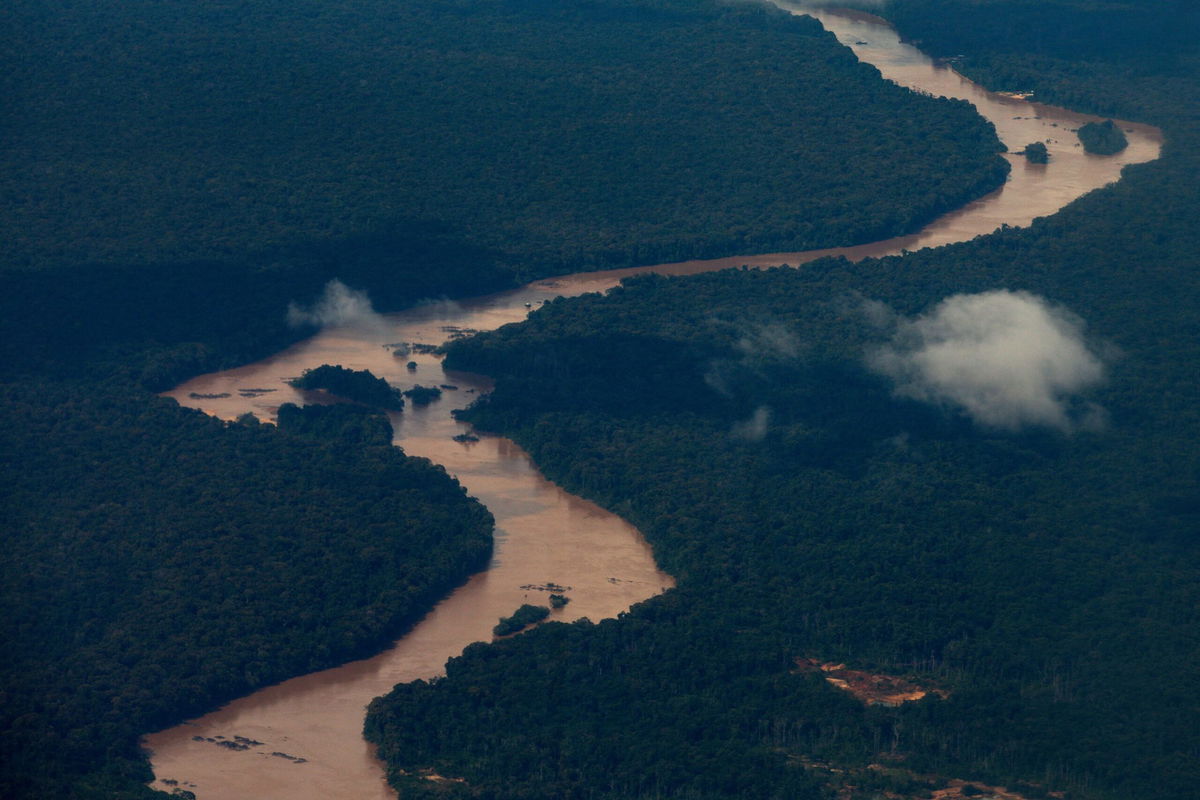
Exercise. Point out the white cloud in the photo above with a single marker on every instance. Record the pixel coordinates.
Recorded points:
(339, 305)
(769, 340)
(1007, 359)
(755, 428)
(758, 343)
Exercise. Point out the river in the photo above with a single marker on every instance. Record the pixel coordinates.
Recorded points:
(302, 739)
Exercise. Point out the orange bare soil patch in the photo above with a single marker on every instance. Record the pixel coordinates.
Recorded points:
(853, 783)
(427, 773)
(978, 791)
(870, 688)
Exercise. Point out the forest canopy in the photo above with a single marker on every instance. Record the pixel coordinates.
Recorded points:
(1043, 577)
(359, 385)
(177, 176)
(159, 562)
(556, 135)
(1102, 138)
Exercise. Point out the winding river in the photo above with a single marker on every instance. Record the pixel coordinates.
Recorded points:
(302, 739)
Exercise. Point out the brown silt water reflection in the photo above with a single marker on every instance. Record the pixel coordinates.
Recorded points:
(302, 739)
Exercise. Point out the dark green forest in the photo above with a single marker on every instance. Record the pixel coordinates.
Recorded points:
(359, 385)
(175, 175)
(159, 562)
(521, 619)
(1045, 577)
(1102, 138)
(554, 135)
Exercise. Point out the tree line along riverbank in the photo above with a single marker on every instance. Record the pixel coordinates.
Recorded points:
(175, 177)
(1041, 577)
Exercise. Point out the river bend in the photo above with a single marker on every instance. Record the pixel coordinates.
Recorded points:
(302, 739)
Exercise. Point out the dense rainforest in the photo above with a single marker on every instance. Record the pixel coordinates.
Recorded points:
(1102, 138)
(178, 179)
(359, 385)
(556, 135)
(158, 562)
(973, 467)
(174, 174)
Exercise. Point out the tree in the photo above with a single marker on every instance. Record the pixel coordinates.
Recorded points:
(1037, 153)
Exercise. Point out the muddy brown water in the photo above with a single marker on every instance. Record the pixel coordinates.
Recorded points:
(302, 738)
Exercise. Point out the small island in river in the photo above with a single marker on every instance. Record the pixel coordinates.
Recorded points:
(521, 619)
(1036, 153)
(361, 386)
(423, 395)
(1102, 138)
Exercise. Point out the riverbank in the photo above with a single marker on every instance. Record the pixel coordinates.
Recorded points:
(307, 703)
(86, 338)
(1042, 576)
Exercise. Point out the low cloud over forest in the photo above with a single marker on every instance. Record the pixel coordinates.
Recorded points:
(338, 305)
(1008, 360)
